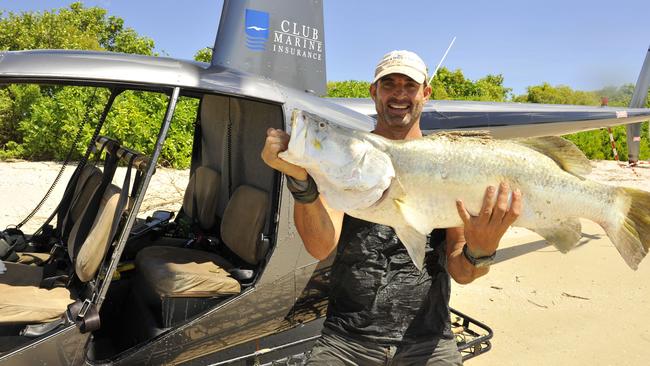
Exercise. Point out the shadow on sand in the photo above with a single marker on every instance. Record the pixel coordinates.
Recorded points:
(505, 254)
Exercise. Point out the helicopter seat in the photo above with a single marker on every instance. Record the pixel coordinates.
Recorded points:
(198, 215)
(89, 178)
(177, 283)
(25, 301)
(201, 196)
(180, 272)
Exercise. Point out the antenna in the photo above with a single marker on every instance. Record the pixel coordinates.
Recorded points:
(442, 59)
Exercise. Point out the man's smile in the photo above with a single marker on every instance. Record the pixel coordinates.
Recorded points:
(398, 108)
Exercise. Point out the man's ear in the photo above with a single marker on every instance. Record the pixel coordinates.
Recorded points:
(427, 91)
(373, 91)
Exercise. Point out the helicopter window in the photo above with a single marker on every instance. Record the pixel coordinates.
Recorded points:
(56, 122)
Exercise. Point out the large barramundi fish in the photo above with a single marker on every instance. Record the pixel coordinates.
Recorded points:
(413, 185)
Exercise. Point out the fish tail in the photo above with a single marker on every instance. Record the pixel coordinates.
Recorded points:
(630, 232)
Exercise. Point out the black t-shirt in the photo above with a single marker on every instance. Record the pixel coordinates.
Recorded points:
(378, 295)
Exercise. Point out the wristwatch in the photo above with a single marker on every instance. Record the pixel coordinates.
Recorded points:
(480, 261)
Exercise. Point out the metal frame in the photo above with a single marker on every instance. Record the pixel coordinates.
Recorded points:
(124, 235)
(479, 344)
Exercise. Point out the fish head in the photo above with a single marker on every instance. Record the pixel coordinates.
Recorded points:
(315, 142)
(348, 169)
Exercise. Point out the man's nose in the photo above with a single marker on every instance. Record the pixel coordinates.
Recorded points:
(399, 90)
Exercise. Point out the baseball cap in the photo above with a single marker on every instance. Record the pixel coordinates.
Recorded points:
(402, 62)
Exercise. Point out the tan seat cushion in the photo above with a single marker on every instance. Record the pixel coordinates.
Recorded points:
(202, 190)
(182, 272)
(97, 242)
(21, 275)
(30, 304)
(32, 258)
(243, 222)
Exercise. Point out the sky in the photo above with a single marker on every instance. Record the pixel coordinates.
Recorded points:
(583, 44)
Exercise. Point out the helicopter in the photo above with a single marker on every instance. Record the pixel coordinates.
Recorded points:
(226, 280)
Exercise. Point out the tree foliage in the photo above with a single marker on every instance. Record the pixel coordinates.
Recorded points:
(562, 94)
(40, 122)
(75, 27)
(595, 144)
(203, 55)
(348, 89)
(446, 85)
(454, 85)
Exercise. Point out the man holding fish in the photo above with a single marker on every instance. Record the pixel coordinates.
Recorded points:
(383, 309)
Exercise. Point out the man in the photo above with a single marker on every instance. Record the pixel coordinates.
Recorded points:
(382, 310)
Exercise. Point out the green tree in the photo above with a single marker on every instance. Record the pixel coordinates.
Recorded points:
(348, 89)
(41, 122)
(203, 55)
(454, 85)
(562, 94)
(75, 27)
(595, 144)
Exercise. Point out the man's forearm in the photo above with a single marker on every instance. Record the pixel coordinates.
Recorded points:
(316, 227)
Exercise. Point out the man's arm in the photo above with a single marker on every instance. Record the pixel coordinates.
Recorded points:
(318, 225)
(481, 233)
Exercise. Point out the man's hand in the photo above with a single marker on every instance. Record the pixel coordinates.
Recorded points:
(483, 232)
(276, 142)
(318, 225)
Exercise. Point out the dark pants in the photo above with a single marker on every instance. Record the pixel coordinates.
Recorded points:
(334, 349)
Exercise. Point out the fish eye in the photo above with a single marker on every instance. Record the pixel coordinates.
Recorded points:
(321, 124)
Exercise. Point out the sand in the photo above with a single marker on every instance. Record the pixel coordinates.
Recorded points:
(582, 308)
(23, 185)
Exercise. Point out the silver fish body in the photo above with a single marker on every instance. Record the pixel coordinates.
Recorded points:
(413, 185)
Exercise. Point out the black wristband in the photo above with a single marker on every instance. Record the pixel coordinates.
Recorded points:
(303, 191)
(480, 261)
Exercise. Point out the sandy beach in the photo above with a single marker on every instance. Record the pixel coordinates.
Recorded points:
(582, 308)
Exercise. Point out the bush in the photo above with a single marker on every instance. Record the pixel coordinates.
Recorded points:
(41, 122)
(46, 128)
(596, 145)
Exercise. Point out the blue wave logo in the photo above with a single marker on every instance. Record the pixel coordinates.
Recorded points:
(257, 29)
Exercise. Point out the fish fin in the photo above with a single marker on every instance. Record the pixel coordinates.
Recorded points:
(631, 233)
(565, 236)
(455, 135)
(413, 217)
(562, 151)
(415, 244)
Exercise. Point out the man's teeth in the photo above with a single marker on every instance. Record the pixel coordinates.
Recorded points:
(398, 106)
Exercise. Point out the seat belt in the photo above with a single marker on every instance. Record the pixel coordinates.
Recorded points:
(124, 195)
